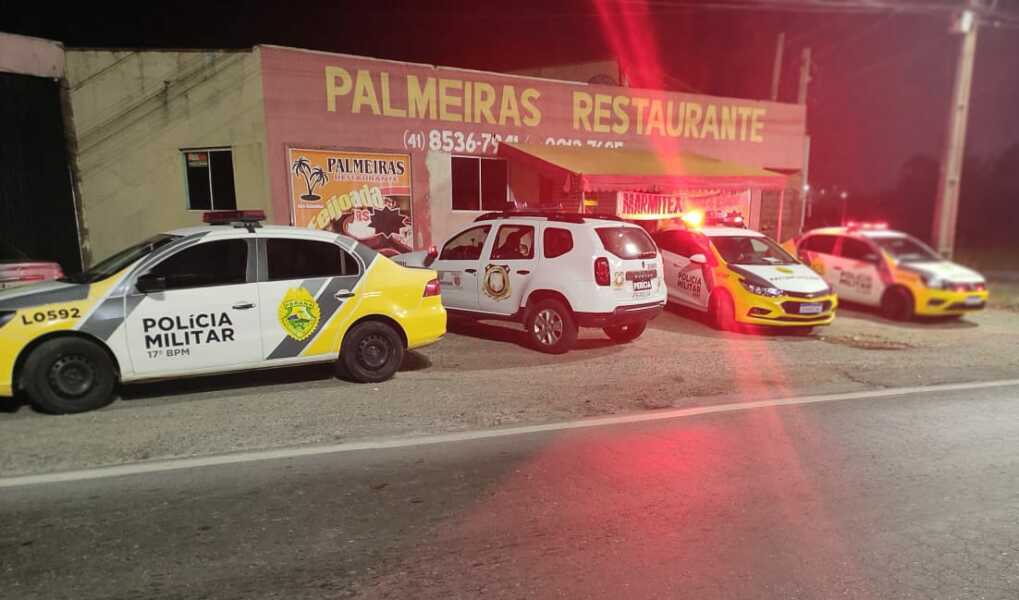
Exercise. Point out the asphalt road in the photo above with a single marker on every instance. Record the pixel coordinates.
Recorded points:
(483, 376)
(911, 496)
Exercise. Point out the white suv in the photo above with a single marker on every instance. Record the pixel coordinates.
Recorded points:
(554, 272)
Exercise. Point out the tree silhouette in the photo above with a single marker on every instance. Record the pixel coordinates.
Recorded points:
(313, 177)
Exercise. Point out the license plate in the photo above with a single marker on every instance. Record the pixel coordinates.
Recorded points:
(811, 309)
(974, 301)
(639, 286)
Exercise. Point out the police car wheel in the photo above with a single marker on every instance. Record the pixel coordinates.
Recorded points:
(897, 304)
(721, 310)
(626, 333)
(550, 327)
(372, 352)
(69, 375)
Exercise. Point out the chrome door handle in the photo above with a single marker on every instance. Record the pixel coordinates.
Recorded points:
(243, 306)
(343, 294)
(523, 272)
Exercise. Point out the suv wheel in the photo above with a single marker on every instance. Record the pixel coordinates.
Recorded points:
(69, 375)
(372, 352)
(550, 327)
(626, 333)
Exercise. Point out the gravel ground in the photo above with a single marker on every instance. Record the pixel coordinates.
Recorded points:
(483, 377)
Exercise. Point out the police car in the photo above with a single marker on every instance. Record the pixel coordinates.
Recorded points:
(870, 264)
(552, 271)
(740, 276)
(231, 295)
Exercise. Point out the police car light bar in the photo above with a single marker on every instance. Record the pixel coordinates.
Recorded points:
(693, 218)
(225, 217)
(730, 218)
(854, 225)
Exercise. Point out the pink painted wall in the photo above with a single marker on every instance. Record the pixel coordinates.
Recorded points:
(31, 56)
(321, 100)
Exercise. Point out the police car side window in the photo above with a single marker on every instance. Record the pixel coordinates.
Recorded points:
(857, 250)
(514, 242)
(557, 242)
(306, 259)
(213, 263)
(467, 245)
(670, 241)
(825, 244)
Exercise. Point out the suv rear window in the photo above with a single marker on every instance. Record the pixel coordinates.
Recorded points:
(627, 242)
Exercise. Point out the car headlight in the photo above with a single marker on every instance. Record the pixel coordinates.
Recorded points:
(761, 290)
(933, 281)
(6, 316)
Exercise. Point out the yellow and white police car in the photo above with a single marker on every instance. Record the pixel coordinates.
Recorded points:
(740, 276)
(228, 296)
(869, 264)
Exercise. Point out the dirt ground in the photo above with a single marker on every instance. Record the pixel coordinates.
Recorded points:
(483, 376)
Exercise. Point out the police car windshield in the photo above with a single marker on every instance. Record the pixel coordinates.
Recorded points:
(121, 260)
(751, 250)
(906, 248)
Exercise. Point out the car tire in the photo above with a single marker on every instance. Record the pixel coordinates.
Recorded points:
(551, 327)
(897, 304)
(69, 375)
(626, 333)
(372, 352)
(721, 311)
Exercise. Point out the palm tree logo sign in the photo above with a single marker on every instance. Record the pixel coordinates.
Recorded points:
(313, 177)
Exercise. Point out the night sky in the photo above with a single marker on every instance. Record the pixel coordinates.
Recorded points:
(880, 91)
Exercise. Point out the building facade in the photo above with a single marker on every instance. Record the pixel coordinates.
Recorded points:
(394, 153)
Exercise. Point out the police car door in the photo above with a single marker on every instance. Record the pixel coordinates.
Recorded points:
(856, 271)
(196, 310)
(306, 284)
(818, 252)
(511, 260)
(684, 278)
(458, 267)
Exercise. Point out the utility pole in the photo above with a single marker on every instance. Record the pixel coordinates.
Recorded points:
(802, 99)
(776, 71)
(946, 211)
(804, 76)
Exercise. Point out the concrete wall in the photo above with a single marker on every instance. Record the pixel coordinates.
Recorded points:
(31, 56)
(522, 190)
(133, 113)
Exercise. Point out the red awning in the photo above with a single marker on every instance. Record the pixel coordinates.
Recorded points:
(611, 170)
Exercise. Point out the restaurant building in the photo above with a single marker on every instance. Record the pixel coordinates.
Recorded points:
(400, 154)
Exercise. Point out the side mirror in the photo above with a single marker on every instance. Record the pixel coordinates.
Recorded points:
(150, 283)
(699, 259)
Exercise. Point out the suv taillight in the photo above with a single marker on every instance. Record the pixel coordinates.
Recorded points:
(601, 271)
(432, 288)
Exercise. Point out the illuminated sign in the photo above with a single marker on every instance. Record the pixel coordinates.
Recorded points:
(640, 205)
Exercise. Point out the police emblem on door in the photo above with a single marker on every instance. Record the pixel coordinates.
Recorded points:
(496, 283)
(299, 313)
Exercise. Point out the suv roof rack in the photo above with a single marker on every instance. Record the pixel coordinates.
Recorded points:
(551, 215)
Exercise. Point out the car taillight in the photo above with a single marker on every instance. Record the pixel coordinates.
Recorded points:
(980, 287)
(601, 271)
(432, 288)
